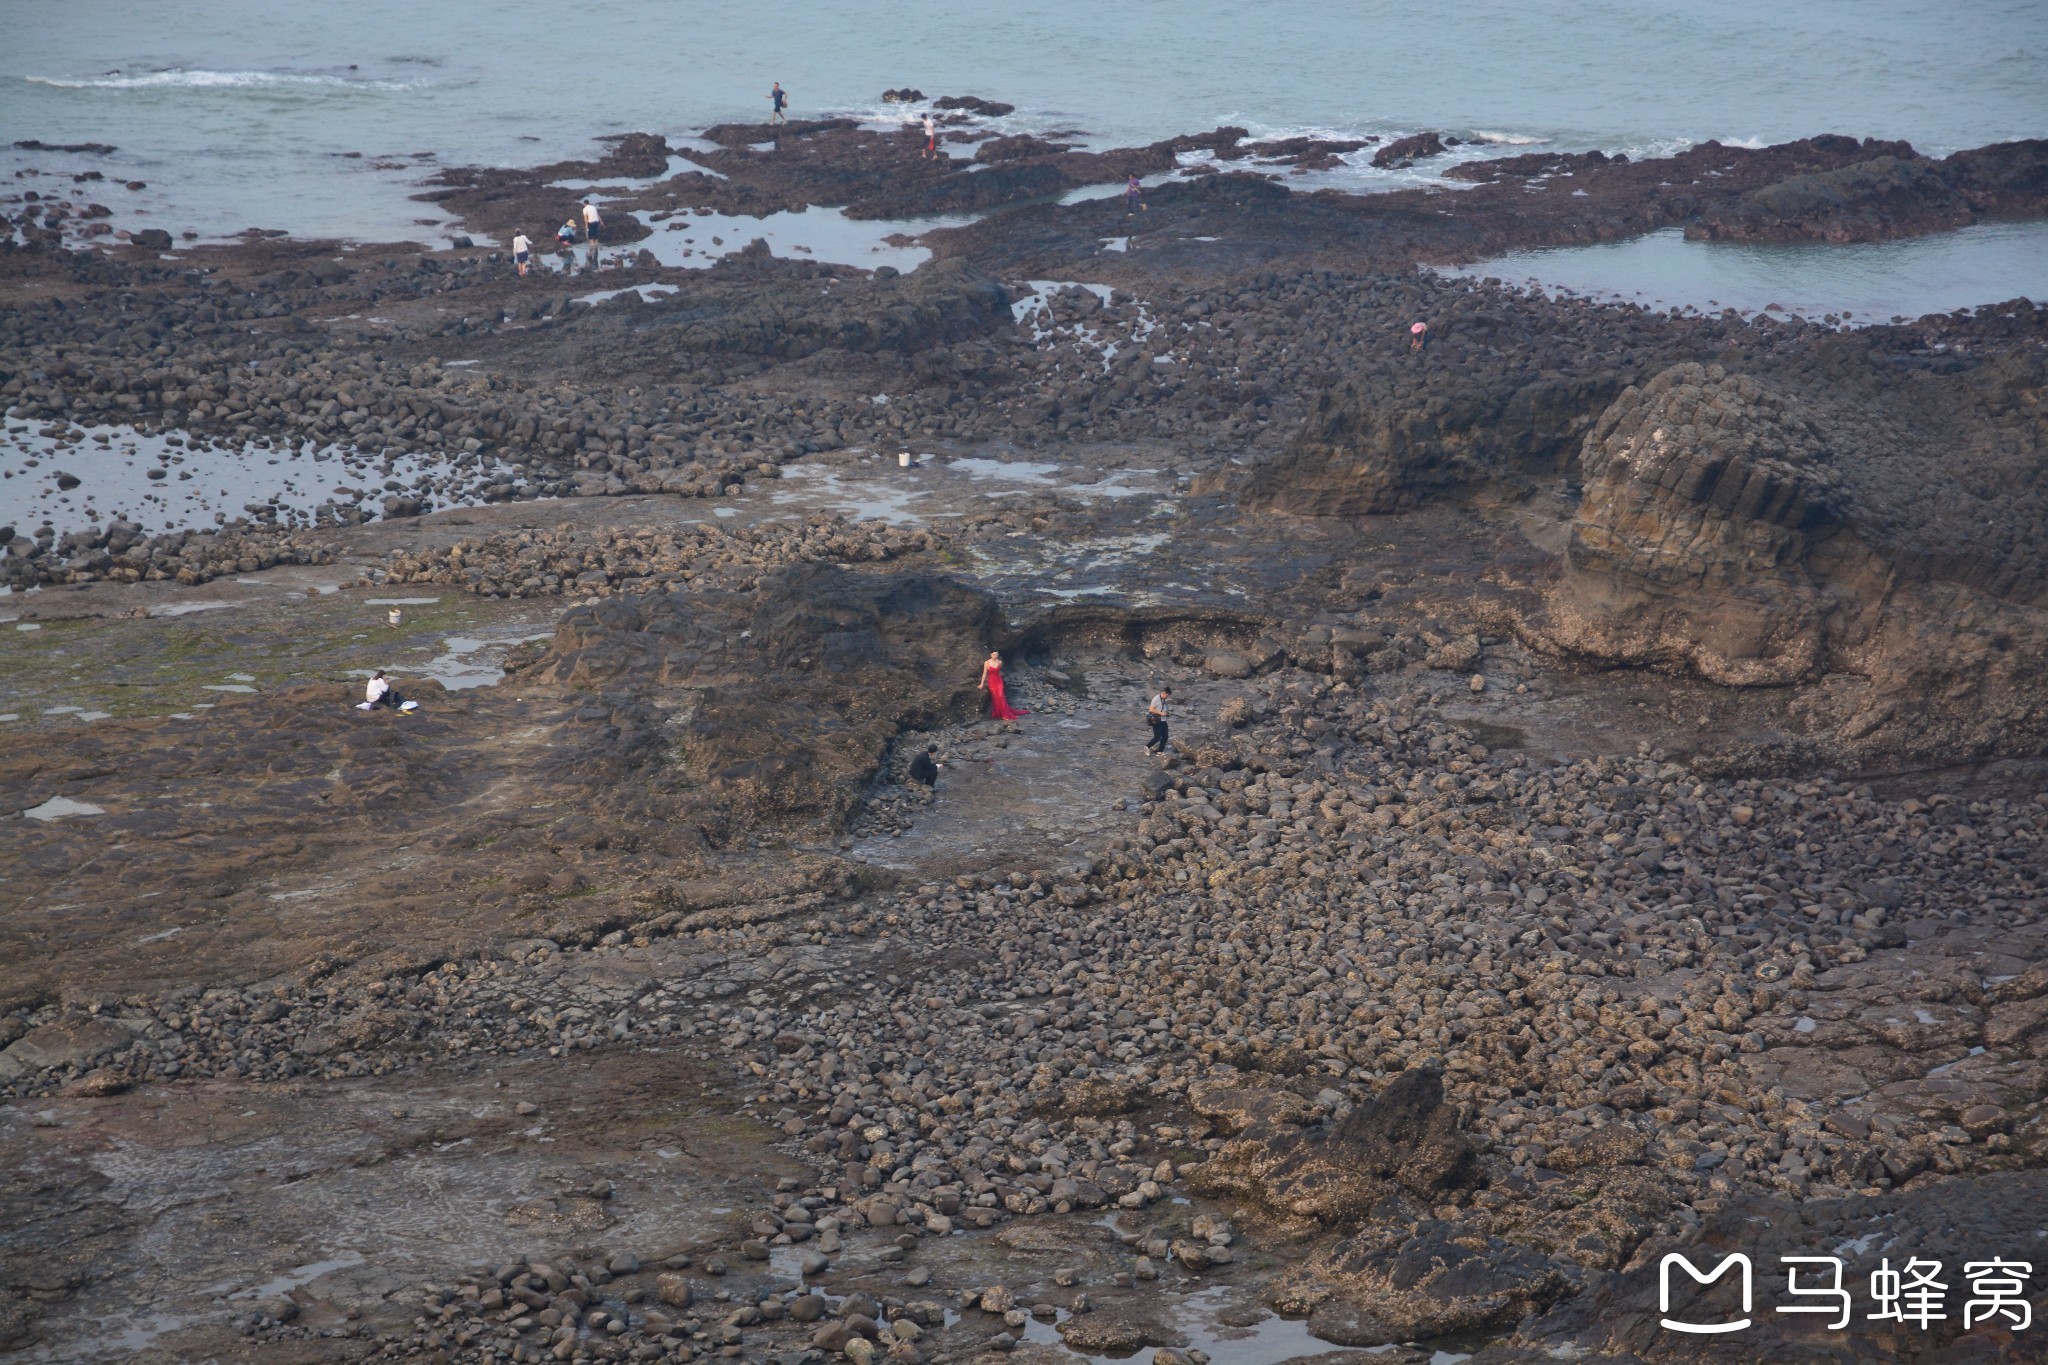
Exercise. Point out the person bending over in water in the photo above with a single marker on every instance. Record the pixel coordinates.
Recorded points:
(992, 679)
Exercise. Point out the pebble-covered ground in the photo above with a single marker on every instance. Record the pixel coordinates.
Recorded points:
(1434, 986)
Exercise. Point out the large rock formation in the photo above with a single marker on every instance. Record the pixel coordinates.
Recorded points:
(1383, 443)
(1706, 497)
(1404, 1144)
(1885, 544)
(779, 701)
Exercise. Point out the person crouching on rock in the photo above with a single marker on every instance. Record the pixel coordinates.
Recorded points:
(1418, 336)
(565, 237)
(380, 692)
(925, 767)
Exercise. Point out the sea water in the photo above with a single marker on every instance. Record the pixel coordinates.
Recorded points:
(322, 120)
(1856, 284)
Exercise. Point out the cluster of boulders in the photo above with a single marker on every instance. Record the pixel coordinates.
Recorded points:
(1572, 947)
(120, 552)
(1347, 959)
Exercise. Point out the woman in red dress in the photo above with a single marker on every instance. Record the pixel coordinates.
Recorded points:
(992, 679)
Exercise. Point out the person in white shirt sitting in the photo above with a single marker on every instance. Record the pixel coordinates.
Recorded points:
(380, 692)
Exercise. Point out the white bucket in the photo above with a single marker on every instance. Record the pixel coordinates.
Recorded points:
(903, 460)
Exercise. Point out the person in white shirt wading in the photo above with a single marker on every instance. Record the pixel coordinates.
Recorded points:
(593, 231)
(1156, 714)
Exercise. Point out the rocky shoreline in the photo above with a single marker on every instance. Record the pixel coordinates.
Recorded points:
(1604, 821)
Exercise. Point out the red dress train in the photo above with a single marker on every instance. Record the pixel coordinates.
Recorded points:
(998, 706)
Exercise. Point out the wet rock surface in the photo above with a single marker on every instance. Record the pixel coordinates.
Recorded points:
(1438, 982)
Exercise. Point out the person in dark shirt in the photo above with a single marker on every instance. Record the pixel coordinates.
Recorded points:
(778, 99)
(925, 767)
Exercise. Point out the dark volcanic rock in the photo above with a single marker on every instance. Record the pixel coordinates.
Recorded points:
(1713, 487)
(1884, 197)
(1380, 446)
(1889, 196)
(1393, 1285)
(794, 689)
(1760, 536)
(971, 104)
(943, 301)
(1403, 150)
(1405, 1142)
(636, 154)
(75, 148)
(1950, 1222)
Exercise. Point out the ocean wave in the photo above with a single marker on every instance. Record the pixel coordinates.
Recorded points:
(1507, 139)
(179, 79)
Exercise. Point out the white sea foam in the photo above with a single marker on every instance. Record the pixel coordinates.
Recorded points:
(180, 79)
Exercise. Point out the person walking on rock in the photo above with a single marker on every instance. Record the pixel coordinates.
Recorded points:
(778, 98)
(1156, 715)
(522, 252)
(931, 138)
(992, 681)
